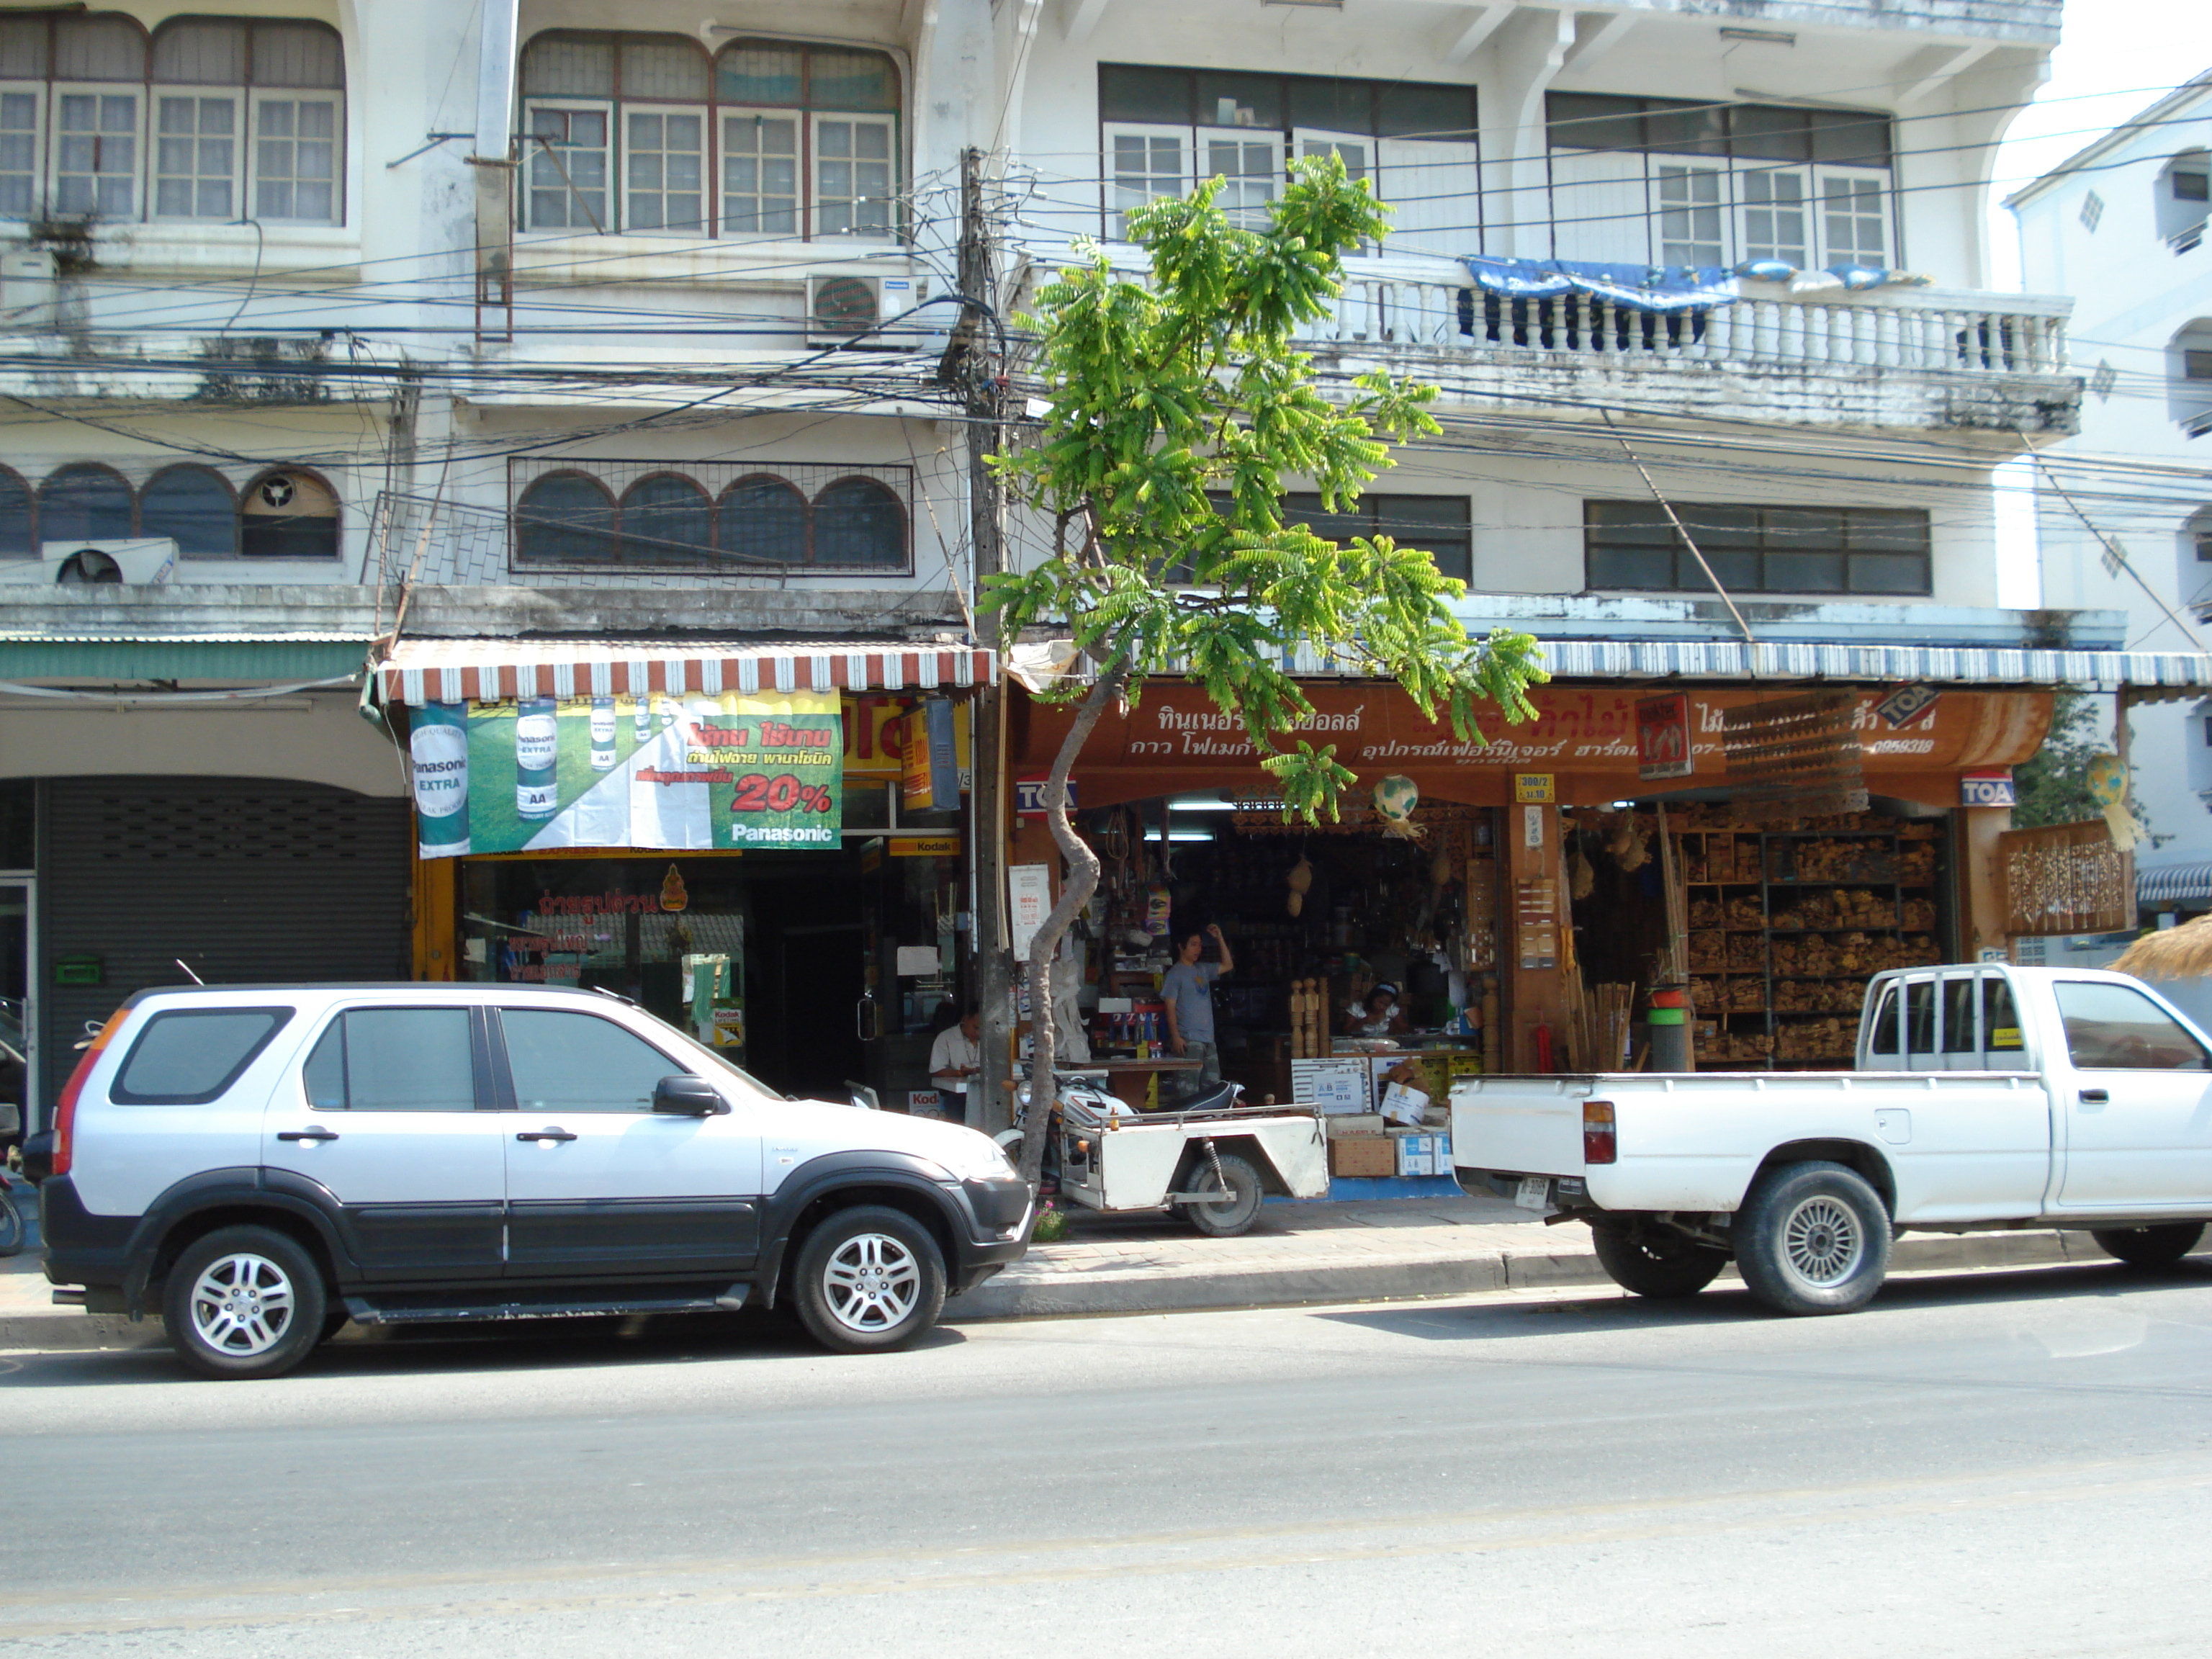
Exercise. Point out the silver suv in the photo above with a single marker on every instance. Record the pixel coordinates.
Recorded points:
(259, 1163)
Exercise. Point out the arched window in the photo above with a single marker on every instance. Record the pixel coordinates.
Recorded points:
(84, 503)
(764, 518)
(288, 515)
(858, 524)
(16, 537)
(195, 506)
(211, 121)
(565, 518)
(628, 132)
(666, 519)
(2188, 377)
(2184, 196)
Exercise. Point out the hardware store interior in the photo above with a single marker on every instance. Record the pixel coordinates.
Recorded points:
(1784, 920)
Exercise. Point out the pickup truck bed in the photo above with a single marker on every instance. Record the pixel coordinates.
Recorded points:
(1984, 1097)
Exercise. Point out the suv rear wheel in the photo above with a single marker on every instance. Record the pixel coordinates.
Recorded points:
(868, 1278)
(244, 1302)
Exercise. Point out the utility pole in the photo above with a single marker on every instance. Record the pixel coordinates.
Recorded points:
(982, 370)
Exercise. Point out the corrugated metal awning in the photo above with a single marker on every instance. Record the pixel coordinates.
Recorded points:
(2176, 881)
(2153, 676)
(274, 656)
(487, 670)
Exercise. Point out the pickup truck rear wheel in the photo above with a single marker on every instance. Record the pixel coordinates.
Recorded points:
(2149, 1247)
(1813, 1238)
(1655, 1264)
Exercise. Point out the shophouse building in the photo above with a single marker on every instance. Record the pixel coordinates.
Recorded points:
(416, 367)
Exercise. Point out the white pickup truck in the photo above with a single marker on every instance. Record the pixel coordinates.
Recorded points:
(1983, 1098)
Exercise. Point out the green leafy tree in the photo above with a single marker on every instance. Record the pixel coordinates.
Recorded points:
(2052, 786)
(1179, 411)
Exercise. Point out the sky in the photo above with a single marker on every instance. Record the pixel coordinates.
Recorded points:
(2114, 57)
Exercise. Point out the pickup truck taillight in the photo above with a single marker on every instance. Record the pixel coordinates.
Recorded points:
(1597, 1132)
(65, 1107)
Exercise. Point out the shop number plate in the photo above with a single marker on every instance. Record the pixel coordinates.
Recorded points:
(1536, 1192)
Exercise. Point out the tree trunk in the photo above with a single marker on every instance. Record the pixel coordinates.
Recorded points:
(1075, 893)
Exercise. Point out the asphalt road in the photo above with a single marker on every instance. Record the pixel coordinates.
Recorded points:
(2006, 1464)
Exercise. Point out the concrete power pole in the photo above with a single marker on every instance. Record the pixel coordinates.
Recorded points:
(983, 371)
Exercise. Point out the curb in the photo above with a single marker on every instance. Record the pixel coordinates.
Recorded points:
(1076, 1295)
(1094, 1295)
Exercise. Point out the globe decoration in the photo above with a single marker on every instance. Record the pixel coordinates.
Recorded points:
(1395, 798)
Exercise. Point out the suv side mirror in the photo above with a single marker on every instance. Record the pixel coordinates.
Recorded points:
(688, 1096)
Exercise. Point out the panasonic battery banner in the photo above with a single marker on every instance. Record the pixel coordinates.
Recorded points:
(697, 773)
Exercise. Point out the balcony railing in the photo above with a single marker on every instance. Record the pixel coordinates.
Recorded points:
(1980, 334)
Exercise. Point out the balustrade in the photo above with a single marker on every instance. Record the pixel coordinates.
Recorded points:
(1382, 312)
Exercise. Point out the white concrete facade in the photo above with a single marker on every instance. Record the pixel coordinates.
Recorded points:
(2120, 225)
(354, 352)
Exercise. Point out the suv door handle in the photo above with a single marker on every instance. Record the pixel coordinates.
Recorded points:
(316, 1134)
(546, 1134)
(2096, 1097)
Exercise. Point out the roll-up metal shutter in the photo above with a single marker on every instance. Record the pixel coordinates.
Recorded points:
(250, 880)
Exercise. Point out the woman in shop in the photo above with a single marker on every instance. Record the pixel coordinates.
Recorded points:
(1380, 1016)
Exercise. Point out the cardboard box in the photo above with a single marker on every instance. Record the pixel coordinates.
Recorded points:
(1416, 1154)
(1362, 1155)
(1465, 1065)
(1440, 1147)
(1353, 1123)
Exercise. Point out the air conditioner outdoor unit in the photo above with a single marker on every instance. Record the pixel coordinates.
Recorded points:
(27, 289)
(136, 562)
(851, 312)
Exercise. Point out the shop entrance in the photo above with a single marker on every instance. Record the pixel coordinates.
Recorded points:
(788, 925)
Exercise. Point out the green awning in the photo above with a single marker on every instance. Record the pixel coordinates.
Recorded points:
(230, 658)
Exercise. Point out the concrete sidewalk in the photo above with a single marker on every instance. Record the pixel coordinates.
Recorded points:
(1374, 1250)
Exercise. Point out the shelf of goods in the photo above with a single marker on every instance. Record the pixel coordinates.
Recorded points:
(1787, 925)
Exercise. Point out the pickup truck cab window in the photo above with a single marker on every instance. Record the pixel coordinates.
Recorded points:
(2001, 1036)
(564, 1063)
(1962, 1040)
(1920, 1023)
(1882, 1038)
(2112, 1028)
(393, 1060)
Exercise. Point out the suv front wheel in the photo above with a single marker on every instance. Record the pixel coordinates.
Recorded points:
(868, 1278)
(244, 1302)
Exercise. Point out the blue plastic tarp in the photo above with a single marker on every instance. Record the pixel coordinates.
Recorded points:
(1640, 288)
(1661, 288)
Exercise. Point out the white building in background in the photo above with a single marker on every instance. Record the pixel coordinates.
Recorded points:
(2121, 225)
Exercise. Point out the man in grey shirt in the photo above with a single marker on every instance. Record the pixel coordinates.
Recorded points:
(1189, 993)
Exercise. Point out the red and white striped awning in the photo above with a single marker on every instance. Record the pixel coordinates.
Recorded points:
(487, 670)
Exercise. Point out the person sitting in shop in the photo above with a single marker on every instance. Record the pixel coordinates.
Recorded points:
(955, 1060)
(1379, 1016)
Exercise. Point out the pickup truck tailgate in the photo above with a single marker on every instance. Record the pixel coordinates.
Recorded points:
(1519, 1125)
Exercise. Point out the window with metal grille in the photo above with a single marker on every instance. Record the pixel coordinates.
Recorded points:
(1757, 550)
(650, 134)
(697, 516)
